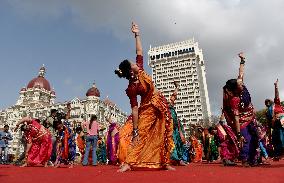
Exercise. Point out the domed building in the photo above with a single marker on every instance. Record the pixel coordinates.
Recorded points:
(37, 98)
(37, 93)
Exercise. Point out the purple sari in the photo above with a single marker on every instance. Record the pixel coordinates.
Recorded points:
(112, 144)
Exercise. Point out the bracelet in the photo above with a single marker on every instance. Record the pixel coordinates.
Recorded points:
(135, 132)
(242, 61)
(239, 135)
(136, 35)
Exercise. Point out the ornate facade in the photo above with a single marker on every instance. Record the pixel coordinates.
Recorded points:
(37, 99)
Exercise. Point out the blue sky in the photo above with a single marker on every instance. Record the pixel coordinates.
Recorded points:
(84, 41)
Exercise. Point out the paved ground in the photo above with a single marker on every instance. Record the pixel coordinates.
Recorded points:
(194, 173)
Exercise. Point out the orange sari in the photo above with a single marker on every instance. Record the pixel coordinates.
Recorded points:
(155, 127)
(125, 137)
(197, 148)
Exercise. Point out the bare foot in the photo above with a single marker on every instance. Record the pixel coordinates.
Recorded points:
(120, 166)
(124, 168)
(71, 166)
(24, 165)
(182, 163)
(45, 165)
(56, 165)
(170, 168)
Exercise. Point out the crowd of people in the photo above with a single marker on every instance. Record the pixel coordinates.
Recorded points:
(153, 135)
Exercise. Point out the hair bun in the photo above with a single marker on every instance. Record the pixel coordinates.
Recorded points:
(118, 72)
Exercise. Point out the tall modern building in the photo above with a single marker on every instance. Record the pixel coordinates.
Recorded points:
(182, 62)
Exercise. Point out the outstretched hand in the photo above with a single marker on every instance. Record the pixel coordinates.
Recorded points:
(222, 117)
(135, 28)
(276, 83)
(176, 84)
(241, 55)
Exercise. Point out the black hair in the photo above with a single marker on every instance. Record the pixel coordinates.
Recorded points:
(23, 127)
(210, 129)
(53, 111)
(124, 70)
(268, 101)
(232, 86)
(6, 126)
(93, 118)
(37, 120)
(78, 129)
(56, 123)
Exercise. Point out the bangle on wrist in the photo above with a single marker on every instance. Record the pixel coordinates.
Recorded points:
(135, 132)
(136, 34)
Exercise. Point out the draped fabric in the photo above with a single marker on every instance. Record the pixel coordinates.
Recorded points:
(197, 146)
(101, 152)
(228, 142)
(178, 137)
(41, 148)
(66, 149)
(213, 148)
(112, 144)
(155, 128)
(238, 106)
(125, 134)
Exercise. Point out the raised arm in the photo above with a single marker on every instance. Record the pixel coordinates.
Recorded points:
(68, 114)
(276, 99)
(25, 119)
(242, 67)
(136, 32)
(174, 95)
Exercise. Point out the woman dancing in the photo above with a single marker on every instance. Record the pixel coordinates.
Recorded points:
(152, 122)
(178, 132)
(39, 143)
(240, 115)
(275, 116)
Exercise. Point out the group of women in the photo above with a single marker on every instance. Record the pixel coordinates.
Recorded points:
(153, 137)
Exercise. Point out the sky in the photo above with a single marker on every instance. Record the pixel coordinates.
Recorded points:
(81, 42)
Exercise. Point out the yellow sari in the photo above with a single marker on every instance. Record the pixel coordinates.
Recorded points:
(155, 128)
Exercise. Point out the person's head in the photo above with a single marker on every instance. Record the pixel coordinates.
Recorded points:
(231, 87)
(173, 99)
(127, 69)
(58, 125)
(268, 102)
(53, 112)
(93, 118)
(78, 129)
(24, 127)
(212, 130)
(37, 120)
(6, 128)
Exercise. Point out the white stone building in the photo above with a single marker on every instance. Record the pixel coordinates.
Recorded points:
(37, 99)
(182, 62)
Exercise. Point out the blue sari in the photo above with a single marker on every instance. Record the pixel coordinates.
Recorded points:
(178, 153)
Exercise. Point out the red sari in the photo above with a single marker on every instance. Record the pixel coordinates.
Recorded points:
(41, 148)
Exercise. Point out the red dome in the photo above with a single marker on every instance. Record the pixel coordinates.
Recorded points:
(93, 92)
(39, 82)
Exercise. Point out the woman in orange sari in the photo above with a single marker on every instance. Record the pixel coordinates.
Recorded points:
(152, 141)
